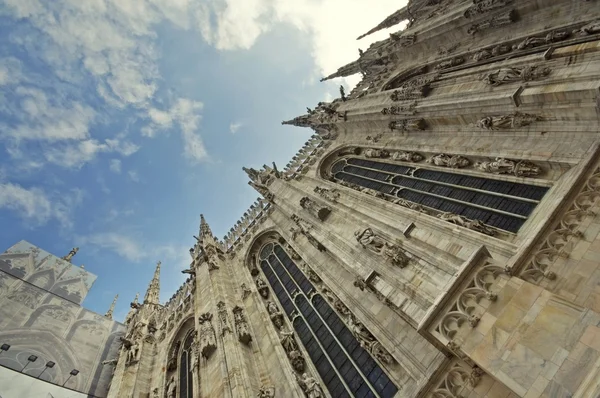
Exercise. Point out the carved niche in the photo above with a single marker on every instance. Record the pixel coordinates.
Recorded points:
(241, 325)
(408, 125)
(318, 210)
(374, 242)
(497, 21)
(208, 338)
(223, 318)
(330, 194)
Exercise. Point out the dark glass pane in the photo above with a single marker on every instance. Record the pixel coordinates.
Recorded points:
(266, 250)
(183, 375)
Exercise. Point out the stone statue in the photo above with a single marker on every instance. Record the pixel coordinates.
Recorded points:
(133, 354)
(369, 240)
(72, 253)
(376, 153)
(474, 225)
(361, 333)
(208, 338)
(590, 29)
(316, 209)
(310, 386)
(407, 156)
(266, 392)
(241, 325)
(521, 168)
(330, 194)
(515, 120)
(262, 287)
(450, 63)
(515, 74)
(245, 291)
(495, 22)
(360, 283)
(195, 361)
(452, 161)
(275, 314)
(287, 341)
(407, 125)
(172, 388)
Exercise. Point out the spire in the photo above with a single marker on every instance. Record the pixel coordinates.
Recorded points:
(152, 294)
(390, 21)
(111, 310)
(204, 228)
(134, 303)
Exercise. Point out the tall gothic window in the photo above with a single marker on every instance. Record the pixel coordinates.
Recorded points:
(347, 369)
(186, 381)
(500, 204)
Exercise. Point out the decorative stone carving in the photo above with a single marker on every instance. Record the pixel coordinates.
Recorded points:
(410, 205)
(304, 229)
(245, 291)
(590, 29)
(376, 153)
(556, 242)
(368, 341)
(515, 74)
(310, 386)
(404, 40)
(241, 325)
(463, 309)
(485, 6)
(71, 254)
(275, 315)
(495, 22)
(133, 354)
(374, 138)
(456, 378)
(223, 318)
(262, 287)
(417, 87)
(266, 392)
(290, 346)
(316, 209)
(520, 168)
(408, 125)
(330, 194)
(172, 361)
(207, 336)
(378, 245)
(513, 121)
(452, 161)
(172, 388)
(450, 63)
(195, 351)
(475, 225)
(360, 283)
(400, 110)
(533, 41)
(58, 314)
(404, 156)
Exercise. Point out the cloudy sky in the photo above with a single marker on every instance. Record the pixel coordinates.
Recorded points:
(122, 120)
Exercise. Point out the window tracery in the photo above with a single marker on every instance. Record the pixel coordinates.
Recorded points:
(186, 380)
(346, 366)
(449, 194)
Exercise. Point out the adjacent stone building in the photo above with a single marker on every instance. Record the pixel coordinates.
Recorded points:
(438, 236)
(41, 315)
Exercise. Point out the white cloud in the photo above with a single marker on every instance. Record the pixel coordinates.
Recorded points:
(136, 249)
(184, 113)
(10, 71)
(115, 166)
(75, 155)
(234, 127)
(240, 22)
(133, 175)
(37, 206)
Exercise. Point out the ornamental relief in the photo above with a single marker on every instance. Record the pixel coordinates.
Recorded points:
(458, 380)
(567, 229)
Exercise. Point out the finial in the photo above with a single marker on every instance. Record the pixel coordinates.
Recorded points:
(72, 253)
(152, 294)
(111, 310)
(82, 266)
(134, 304)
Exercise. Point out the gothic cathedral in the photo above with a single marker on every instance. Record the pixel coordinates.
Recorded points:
(438, 235)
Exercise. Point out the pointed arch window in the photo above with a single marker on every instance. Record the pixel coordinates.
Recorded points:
(345, 367)
(501, 204)
(186, 381)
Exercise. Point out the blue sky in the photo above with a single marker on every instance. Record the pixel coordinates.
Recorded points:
(122, 120)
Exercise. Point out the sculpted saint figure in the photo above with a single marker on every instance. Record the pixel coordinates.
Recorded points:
(515, 120)
(72, 253)
(172, 388)
(310, 386)
(589, 29)
(369, 240)
(515, 74)
(407, 156)
(452, 161)
(521, 168)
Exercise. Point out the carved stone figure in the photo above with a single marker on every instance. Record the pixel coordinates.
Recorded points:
(515, 120)
(275, 314)
(495, 22)
(245, 291)
(262, 287)
(133, 354)
(290, 346)
(359, 331)
(375, 243)
(452, 161)
(485, 6)
(241, 325)
(316, 209)
(360, 283)
(520, 168)
(330, 194)
(407, 125)
(410, 205)
(172, 388)
(399, 110)
(407, 156)
(376, 153)
(310, 386)
(500, 49)
(475, 225)
(266, 392)
(450, 63)
(590, 29)
(515, 74)
(403, 40)
(223, 318)
(207, 337)
(483, 54)
(172, 361)
(72, 253)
